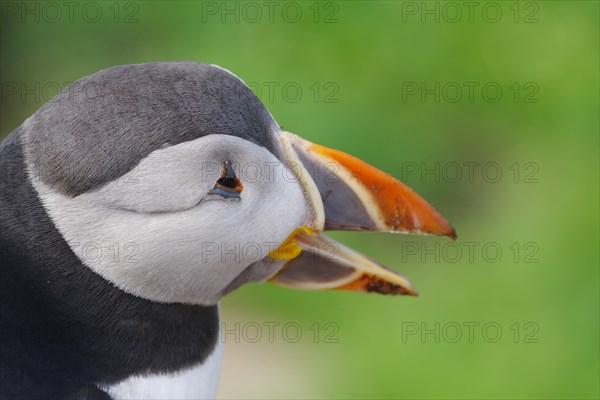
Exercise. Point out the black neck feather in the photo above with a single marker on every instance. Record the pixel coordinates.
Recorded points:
(63, 327)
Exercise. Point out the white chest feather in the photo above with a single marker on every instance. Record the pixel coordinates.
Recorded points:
(197, 382)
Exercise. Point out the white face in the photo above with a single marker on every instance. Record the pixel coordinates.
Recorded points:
(159, 234)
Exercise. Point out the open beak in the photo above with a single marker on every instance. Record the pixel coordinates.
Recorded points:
(348, 194)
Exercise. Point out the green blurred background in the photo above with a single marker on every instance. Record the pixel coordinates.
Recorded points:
(353, 63)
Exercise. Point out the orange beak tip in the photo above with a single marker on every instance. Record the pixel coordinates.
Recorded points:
(451, 233)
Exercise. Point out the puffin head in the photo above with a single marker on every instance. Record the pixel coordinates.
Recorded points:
(175, 183)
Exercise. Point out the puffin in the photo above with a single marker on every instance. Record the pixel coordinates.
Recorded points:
(137, 198)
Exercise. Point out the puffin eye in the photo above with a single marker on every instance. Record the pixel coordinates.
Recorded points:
(228, 185)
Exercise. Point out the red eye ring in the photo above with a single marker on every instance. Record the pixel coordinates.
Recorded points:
(228, 185)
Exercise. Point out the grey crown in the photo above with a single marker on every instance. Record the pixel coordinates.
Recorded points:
(101, 126)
